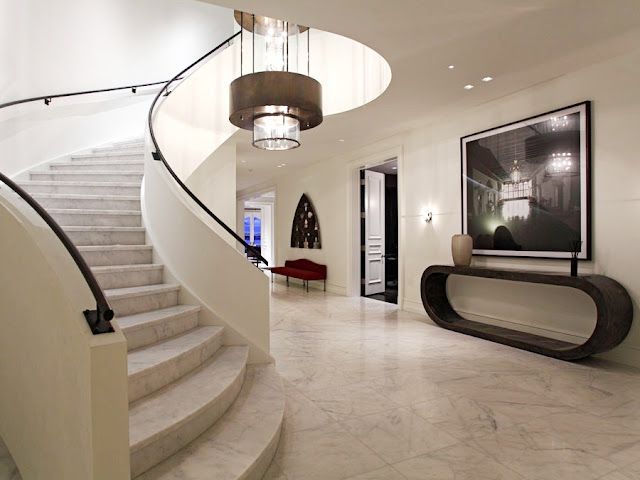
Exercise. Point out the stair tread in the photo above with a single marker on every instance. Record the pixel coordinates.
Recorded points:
(90, 172)
(118, 293)
(234, 444)
(141, 320)
(75, 196)
(181, 400)
(84, 163)
(89, 211)
(135, 267)
(144, 358)
(93, 228)
(78, 184)
(109, 248)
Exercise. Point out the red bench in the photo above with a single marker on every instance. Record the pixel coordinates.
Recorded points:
(303, 269)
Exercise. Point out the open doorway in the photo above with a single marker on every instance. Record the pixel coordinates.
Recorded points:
(379, 232)
(259, 224)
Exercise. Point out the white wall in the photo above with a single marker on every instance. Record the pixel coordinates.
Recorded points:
(68, 45)
(63, 401)
(430, 179)
(71, 45)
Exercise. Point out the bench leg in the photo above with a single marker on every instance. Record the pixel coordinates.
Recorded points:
(325, 284)
(307, 286)
(287, 282)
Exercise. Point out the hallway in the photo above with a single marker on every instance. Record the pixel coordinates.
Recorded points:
(374, 393)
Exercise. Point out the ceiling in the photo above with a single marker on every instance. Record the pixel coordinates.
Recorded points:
(519, 43)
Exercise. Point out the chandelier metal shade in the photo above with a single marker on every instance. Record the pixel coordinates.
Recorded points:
(274, 99)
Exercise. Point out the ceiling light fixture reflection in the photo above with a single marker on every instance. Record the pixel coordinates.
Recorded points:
(487, 79)
(468, 87)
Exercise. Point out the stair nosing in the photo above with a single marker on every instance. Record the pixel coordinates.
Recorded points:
(75, 196)
(99, 248)
(215, 333)
(101, 228)
(68, 183)
(188, 310)
(88, 211)
(140, 291)
(134, 267)
(183, 420)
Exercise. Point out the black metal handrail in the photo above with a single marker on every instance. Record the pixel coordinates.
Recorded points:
(99, 319)
(157, 155)
(47, 98)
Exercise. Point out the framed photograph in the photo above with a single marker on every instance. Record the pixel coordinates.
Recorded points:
(526, 186)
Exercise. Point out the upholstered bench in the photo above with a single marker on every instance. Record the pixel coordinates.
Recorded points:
(303, 269)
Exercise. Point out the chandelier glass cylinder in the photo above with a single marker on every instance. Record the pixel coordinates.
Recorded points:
(274, 96)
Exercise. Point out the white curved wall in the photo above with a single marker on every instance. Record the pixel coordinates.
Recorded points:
(63, 402)
(232, 291)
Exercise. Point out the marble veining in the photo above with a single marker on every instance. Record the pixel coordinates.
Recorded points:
(376, 393)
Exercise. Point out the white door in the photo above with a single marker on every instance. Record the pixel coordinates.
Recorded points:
(374, 232)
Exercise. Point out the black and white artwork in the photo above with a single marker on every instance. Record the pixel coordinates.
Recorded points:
(526, 186)
(305, 231)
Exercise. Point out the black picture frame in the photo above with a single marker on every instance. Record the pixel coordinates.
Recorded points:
(526, 186)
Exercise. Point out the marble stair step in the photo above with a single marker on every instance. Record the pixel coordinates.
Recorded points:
(98, 218)
(242, 443)
(90, 176)
(151, 327)
(83, 188)
(107, 202)
(102, 255)
(155, 366)
(85, 235)
(123, 276)
(132, 300)
(167, 420)
(101, 165)
(109, 155)
(120, 149)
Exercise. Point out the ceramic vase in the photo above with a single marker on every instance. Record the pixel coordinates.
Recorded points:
(461, 248)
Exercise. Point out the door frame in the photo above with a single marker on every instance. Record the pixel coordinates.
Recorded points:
(353, 218)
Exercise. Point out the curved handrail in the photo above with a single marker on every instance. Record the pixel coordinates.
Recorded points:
(157, 155)
(99, 319)
(47, 98)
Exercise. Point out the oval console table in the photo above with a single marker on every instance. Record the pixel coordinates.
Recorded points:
(613, 305)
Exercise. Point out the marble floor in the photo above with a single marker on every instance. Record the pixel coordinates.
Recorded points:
(375, 393)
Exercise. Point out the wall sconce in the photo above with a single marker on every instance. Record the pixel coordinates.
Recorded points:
(427, 216)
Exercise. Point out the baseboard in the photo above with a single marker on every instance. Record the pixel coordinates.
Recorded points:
(625, 354)
(313, 285)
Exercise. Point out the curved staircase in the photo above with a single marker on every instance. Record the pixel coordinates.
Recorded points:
(196, 409)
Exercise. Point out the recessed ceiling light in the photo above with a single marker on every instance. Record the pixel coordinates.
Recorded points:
(283, 164)
(468, 87)
(279, 166)
(243, 161)
(341, 140)
(487, 79)
(451, 67)
(394, 168)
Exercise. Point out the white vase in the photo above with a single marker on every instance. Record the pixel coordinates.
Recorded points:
(461, 249)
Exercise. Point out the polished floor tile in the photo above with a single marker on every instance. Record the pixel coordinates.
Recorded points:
(377, 393)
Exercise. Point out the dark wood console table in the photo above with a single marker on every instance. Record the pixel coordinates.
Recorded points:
(613, 305)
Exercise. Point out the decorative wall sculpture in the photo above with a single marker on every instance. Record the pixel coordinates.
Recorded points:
(305, 231)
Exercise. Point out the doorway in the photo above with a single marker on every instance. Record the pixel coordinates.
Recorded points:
(379, 232)
(258, 226)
